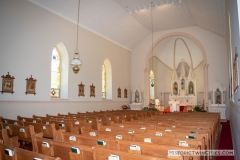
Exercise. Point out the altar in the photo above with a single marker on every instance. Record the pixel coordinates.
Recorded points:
(190, 100)
(183, 88)
(136, 106)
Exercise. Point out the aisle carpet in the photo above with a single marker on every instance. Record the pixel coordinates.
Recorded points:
(225, 142)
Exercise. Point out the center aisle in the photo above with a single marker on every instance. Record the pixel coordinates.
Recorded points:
(225, 141)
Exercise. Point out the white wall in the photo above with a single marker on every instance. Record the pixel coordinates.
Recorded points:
(232, 9)
(214, 45)
(27, 36)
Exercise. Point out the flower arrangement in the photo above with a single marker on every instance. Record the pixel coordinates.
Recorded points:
(150, 109)
(199, 109)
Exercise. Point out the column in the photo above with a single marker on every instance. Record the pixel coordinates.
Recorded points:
(146, 87)
(206, 86)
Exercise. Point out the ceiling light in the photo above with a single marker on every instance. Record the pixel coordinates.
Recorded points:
(76, 63)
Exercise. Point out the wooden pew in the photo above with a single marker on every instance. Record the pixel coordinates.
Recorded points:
(11, 121)
(180, 136)
(26, 119)
(89, 140)
(62, 149)
(130, 130)
(5, 139)
(21, 154)
(65, 125)
(105, 134)
(169, 140)
(48, 130)
(178, 124)
(101, 153)
(154, 149)
(188, 131)
(25, 133)
(43, 118)
(137, 126)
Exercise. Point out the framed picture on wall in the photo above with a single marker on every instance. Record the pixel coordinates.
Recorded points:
(30, 86)
(92, 90)
(235, 72)
(81, 89)
(7, 84)
(119, 92)
(125, 93)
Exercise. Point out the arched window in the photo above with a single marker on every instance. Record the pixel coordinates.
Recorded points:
(59, 71)
(151, 77)
(106, 80)
(55, 74)
(103, 81)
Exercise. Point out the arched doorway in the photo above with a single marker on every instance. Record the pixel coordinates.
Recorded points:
(187, 44)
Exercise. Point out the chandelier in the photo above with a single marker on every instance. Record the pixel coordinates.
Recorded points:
(76, 63)
(152, 84)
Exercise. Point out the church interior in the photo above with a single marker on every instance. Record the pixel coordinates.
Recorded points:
(86, 57)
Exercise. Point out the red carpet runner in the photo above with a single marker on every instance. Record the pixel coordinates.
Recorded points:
(225, 142)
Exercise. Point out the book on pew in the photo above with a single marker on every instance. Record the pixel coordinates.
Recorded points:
(72, 138)
(191, 137)
(101, 143)
(93, 134)
(158, 134)
(75, 150)
(134, 147)
(118, 136)
(113, 157)
(9, 152)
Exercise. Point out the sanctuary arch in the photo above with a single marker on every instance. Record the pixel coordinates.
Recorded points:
(191, 87)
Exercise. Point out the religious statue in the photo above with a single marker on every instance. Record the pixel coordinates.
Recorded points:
(137, 96)
(175, 88)
(190, 88)
(218, 97)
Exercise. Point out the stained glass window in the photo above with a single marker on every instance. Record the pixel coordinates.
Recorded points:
(55, 74)
(103, 81)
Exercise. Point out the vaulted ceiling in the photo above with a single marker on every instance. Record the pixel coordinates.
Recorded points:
(127, 22)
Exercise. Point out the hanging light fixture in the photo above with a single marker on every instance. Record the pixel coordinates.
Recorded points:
(76, 63)
(152, 39)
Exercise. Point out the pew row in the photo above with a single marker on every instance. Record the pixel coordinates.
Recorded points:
(21, 154)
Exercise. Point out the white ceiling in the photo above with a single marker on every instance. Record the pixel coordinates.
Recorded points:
(112, 19)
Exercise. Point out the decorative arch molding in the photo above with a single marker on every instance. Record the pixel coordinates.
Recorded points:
(176, 34)
(204, 63)
(174, 56)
